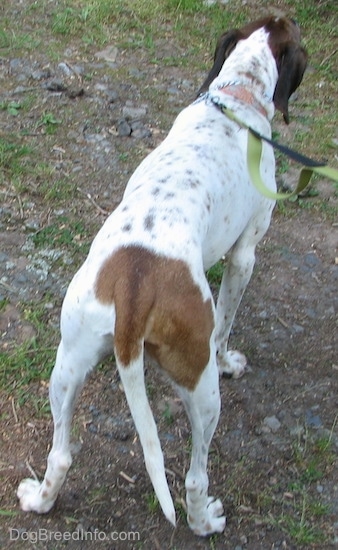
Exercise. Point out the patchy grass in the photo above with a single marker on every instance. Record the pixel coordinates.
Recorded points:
(13, 159)
(304, 517)
(294, 506)
(30, 362)
(215, 273)
(65, 234)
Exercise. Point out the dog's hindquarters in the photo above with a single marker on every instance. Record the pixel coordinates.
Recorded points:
(159, 307)
(138, 299)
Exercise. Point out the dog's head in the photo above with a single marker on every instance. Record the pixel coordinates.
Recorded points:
(284, 42)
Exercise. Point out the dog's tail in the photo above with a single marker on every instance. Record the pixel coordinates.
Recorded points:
(132, 377)
(127, 280)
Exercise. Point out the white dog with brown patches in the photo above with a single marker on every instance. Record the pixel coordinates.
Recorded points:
(143, 285)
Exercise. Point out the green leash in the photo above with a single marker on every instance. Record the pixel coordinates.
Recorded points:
(254, 155)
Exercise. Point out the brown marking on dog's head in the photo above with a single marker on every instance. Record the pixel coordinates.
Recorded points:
(284, 41)
(158, 303)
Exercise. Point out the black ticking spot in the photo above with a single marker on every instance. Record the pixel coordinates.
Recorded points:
(169, 195)
(127, 227)
(149, 222)
(194, 183)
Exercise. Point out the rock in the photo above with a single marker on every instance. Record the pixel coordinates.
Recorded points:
(3, 257)
(139, 130)
(312, 419)
(108, 54)
(66, 69)
(55, 85)
(111, 95)
(173, 90)
(41, 74)
(123, 128)
(311, 260)
(32, 224)
(74, 92)
(272, 423)
(22, 89)
(129, 111)
(297, 328)
(135, 72)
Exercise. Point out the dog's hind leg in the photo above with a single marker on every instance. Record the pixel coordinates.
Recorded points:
(203, 407)
(132, 377)
(64, 387)
(79, 351)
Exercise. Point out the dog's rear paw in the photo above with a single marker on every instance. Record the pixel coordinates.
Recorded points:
(32, 498)
(232, 364)
(213, 521)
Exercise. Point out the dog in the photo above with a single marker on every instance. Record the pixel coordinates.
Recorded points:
(143, 285)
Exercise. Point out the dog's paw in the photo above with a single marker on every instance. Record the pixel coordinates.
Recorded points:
(232, 364)
(31, 497)
(212, 522)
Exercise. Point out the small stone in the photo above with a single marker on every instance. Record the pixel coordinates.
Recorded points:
(136, 72)
(272, 423)
(22, 90)
(123, 128)
(41, 74)
(263, 314)
(3, 257)
(32, 224)
(108, 54)
(74, 92)
(66, 69)
(133, 112)
(112, 96)
(312, 420)
(297, 328)
(139, 130)
(173, 91)
(55, 85)
(311, 260)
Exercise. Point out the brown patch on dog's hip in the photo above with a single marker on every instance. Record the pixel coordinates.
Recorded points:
(158, 303)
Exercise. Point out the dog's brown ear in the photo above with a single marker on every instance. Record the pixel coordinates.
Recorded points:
(291, 67)
(225, 46)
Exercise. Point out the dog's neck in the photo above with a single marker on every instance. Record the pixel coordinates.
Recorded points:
(245, 95)
(238, 76)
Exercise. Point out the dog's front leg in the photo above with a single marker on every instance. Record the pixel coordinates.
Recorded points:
(234, 281)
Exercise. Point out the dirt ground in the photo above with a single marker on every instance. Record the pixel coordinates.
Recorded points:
(268, 463)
